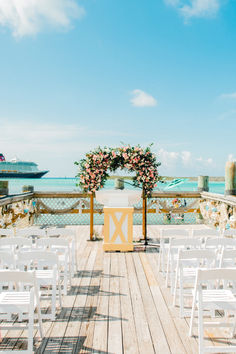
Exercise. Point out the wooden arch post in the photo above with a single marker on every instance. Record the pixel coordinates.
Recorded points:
(91, 215)
(144, 217)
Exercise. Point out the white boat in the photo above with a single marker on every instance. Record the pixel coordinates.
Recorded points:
(175, 182)
(16, 168)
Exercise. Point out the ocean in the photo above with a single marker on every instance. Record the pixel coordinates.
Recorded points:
(69, 185)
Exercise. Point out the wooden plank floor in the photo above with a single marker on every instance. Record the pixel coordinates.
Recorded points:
(117, 304)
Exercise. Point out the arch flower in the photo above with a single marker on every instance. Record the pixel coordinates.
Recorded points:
(94, 168)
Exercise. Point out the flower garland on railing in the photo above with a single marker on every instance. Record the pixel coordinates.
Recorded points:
(93, 170)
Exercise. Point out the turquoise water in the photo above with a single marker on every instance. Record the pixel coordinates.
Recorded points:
(69, 185)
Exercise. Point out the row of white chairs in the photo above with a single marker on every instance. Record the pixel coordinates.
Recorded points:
(204, 270)
(60, 246)
(214, 290)
(35, 233)
(34, 265)
(22, 299)
(187, 264)
(166, 234)
(193, 243)
(47, 271)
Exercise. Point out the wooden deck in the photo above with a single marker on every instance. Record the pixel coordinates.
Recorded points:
(117, 304)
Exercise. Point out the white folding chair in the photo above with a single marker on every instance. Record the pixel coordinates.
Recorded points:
(205, 232)
(62, 248)
(7, 260)
(165, 236)
(6, 232)
(15, 244)
(31, 232)
(208, 299)
(219, 244)
(23, 299)
(174, 246)
(188, 263)
(70, 235)
(228, 258)
(46, 266)
(229, 233)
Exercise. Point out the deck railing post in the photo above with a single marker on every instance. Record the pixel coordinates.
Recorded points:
(91, 215)
(230, 178)
(144, 217)
(4, 188)
(203, 183)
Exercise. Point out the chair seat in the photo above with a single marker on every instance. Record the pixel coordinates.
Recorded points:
(17, 300)
(218, 299)
(44, 274)
(189, 272)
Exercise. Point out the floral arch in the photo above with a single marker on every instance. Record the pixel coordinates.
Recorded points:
(93, 169)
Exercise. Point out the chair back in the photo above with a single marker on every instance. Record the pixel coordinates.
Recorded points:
(6, 232)
(197, 258)
(37, 260)
(7, 260)
(51, 242)
(15, 243)
(60, 231)
(204, 275)
(175, 232)
(229, 233)
(228, 258)
(220, 242)
(205, 232)
(26, 232)
(185, 243)
(18, 280)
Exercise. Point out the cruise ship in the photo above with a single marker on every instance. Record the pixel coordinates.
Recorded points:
(16, 168)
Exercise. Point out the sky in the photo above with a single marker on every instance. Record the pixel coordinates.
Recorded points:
(75, 75)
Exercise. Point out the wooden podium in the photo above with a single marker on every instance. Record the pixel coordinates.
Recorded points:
(118, 218)
(118, 229)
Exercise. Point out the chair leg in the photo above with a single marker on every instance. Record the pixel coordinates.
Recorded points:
(54, 294)
(192, 315)
(234, 327)
(163, 259)
(159, 268)
(65, 281)
(175, 287)
(31, 323)
(167, 270)
(200, 328)
(181, 297)
(40, 325)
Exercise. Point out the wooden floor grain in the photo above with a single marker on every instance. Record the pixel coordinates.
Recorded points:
(118, 303)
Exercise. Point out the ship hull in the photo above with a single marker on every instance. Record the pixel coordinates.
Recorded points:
(37, 174)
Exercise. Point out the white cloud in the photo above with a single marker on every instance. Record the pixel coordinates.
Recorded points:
(231, 158)
(28, 17)
(200, 8)
(195, 8)
(53, 146)
(142, 99)
(228, 115)
(186, 157)
(229, 95)
(183, 163)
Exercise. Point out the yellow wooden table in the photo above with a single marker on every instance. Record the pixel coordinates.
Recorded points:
(118, 229)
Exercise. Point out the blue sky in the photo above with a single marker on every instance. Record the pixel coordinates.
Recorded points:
(78, 74)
